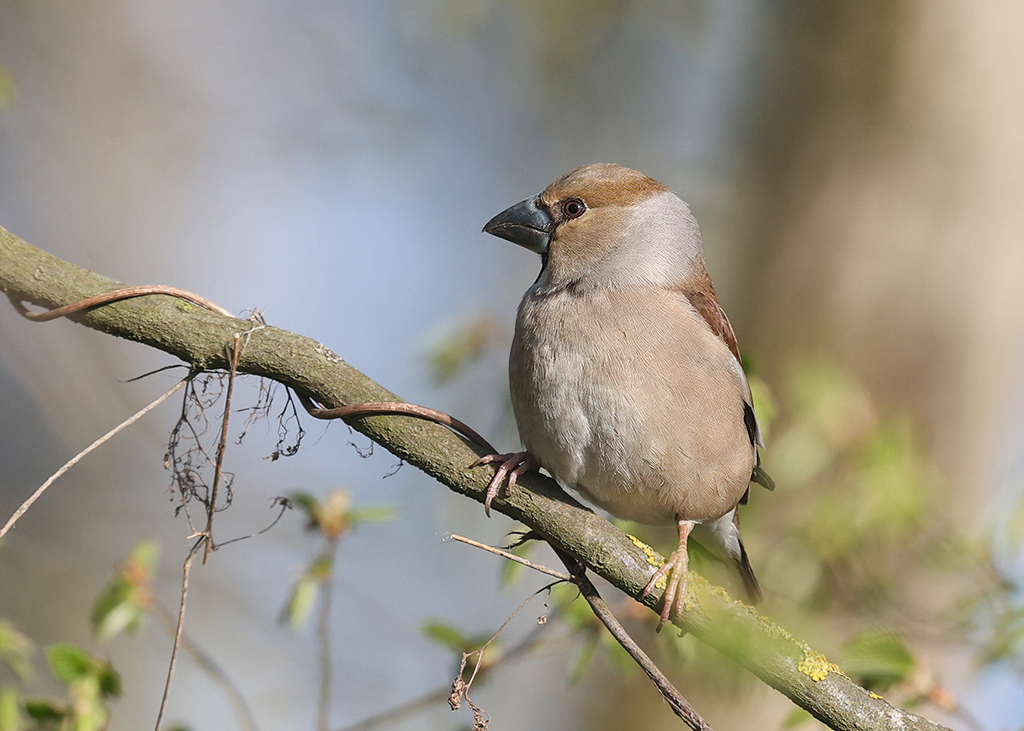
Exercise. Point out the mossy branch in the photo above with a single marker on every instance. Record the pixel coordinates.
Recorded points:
(203, 338)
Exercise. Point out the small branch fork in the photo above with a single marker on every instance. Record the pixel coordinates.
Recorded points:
(577, 575)
(679, 705)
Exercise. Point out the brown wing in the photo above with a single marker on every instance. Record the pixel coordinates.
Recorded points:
(703, 300)
(714, 316)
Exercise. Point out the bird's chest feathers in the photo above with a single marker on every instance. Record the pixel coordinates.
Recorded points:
(577, 375)
(630, 400)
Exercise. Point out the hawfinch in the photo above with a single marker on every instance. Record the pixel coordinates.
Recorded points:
(625, 375)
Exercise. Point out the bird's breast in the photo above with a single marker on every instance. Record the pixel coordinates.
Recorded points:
(629, 399)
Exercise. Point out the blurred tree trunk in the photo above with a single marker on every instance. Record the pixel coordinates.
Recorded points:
(891, 168)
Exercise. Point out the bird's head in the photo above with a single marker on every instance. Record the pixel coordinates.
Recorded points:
(606, 225)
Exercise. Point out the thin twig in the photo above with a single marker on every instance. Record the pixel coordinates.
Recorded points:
(74, 460)
(512, 557)
(366, 409)
(115, 296)
(679, 705)
(179, 626)
(284, 508)
(479, 652)
(397, 407)
(211, 509)
(246, 721)
(398, 713)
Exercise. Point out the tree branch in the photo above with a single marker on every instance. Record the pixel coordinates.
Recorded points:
(202, 338)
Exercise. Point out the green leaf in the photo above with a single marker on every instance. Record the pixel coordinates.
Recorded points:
(69, 662)
(16, 650)
(123, 603)
(118, 607)
(321, 567)
(110, 620)
(459, 346)
(143, 557)
(878, 658)
(297, 609)
(445, 635)
(109, 680)
(10, 711)
(373, 514)
(44, 710)
(308, 504)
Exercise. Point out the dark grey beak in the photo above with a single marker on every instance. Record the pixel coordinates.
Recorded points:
(526, 223)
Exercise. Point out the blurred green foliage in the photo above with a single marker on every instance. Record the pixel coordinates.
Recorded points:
(91, 684)
(880, 659)
(458, 345)
(123, 603)
(331, 518)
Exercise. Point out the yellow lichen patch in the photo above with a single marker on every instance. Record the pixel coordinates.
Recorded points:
(718, 591)
(875, 696)
(653, 557)
(816, 666)
(775, 631)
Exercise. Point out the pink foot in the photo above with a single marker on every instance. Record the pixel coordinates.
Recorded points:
(513, 464)
(675, 569)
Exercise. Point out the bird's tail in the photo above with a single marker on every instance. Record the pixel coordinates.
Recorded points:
(754, 593)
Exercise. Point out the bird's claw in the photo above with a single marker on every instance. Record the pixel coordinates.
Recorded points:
(513, 465)
(674, 600)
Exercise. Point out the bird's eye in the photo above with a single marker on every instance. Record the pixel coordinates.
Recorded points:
(573, 208)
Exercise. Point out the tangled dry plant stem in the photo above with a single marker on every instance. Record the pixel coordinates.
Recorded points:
(211, 509)
(461, 686)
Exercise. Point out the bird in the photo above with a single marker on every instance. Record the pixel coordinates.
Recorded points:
(625, 375)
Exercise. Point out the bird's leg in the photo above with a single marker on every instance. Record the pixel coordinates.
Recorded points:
(675, 568)
(514, 465)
